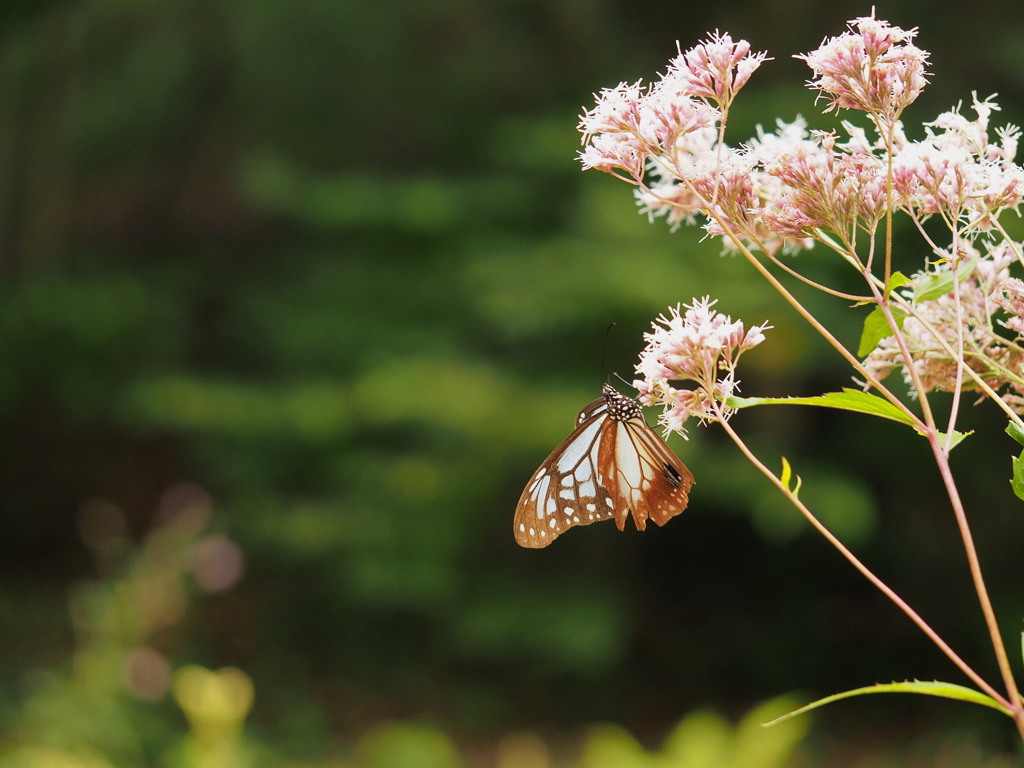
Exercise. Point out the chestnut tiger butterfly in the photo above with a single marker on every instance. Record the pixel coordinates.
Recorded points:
(613, 464)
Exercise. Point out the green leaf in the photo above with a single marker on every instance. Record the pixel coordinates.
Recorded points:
(935, 285)
(957, 438)
(896, 280)
(876, 328)
(943, 690)
(787, 476)
(1015, 431)
(847, 400)
(1017, 481)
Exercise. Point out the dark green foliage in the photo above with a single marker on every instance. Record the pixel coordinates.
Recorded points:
(335, 263)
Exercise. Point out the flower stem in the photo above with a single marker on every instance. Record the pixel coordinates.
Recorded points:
(815, 323)
(1002, 658)
(884, 588)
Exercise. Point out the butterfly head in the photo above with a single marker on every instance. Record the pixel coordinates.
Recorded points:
(620, 407)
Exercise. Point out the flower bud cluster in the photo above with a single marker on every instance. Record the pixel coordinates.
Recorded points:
(789, 188)
(698, 345)
(872, 68)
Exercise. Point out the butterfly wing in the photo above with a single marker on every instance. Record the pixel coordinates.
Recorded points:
(567, 489)
(613, 464)
(644, 476)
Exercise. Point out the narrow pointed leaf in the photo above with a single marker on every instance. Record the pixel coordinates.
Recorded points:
(942, 690)
(847, 400)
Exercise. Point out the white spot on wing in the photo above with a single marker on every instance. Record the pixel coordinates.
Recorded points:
(540, 488)
(576, 450)
(549, 507)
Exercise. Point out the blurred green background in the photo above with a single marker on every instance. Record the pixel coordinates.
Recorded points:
(294, 296)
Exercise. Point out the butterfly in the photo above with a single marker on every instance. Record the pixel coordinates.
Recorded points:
(612, 464)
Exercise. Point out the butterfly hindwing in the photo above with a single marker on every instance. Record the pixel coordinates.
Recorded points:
(653, 484)
(612, 464)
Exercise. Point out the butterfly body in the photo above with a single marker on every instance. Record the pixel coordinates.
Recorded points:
(612, 465)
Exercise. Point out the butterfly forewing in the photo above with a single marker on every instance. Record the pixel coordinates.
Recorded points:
(566, 489)
(612, 464)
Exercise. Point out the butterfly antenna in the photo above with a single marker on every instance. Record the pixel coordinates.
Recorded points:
(608, 375)
(604, 351)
